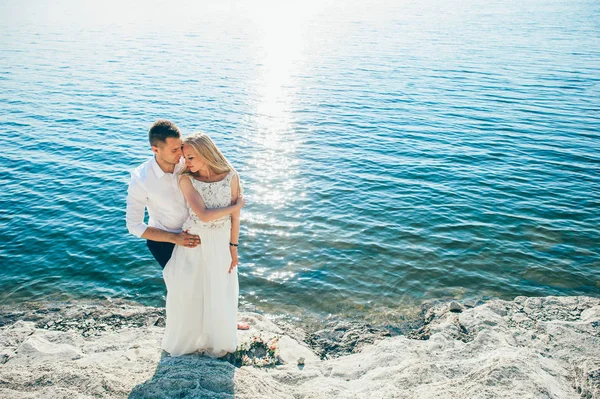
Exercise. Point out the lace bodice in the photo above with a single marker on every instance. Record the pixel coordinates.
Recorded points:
(215, 195)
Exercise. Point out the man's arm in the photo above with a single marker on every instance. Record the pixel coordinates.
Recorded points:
(183, 239)
(137, 198)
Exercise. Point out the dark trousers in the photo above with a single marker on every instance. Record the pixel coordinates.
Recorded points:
(161, 251)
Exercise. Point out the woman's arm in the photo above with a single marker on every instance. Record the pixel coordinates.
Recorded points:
(235, 222)
(194, 200)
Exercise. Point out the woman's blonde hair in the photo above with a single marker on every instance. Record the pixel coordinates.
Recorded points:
(214, 158)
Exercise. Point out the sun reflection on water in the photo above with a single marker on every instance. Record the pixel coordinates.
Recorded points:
(280, 59)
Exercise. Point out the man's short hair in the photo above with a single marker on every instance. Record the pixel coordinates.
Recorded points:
(160, 130)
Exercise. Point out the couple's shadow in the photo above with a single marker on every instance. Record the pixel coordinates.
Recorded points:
(188, 376)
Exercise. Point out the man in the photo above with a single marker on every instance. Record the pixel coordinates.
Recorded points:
(154, 187)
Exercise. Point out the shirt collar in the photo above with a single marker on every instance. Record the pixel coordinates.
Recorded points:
(156, 168)
(159, 172)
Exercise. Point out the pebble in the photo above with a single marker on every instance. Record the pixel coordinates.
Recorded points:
(455, 307)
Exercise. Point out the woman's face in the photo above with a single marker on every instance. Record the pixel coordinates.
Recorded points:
(192, 160)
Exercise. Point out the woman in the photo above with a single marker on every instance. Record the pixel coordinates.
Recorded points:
(202, 282)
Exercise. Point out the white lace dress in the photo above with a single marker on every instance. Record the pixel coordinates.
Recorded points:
(202, 296)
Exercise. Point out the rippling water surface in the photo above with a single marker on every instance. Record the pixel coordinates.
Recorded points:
(392, 153)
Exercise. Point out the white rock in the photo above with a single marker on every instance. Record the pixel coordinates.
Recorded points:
(478, 353)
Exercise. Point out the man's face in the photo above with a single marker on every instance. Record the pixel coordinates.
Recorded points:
(169, 151)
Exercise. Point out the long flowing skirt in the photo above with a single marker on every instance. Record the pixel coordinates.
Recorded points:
(202, 296)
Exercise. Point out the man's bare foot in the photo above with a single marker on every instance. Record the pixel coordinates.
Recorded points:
(242, 325)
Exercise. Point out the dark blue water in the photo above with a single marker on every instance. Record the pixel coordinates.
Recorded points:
(391, 153)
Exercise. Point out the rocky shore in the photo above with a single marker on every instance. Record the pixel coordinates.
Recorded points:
(526, 348)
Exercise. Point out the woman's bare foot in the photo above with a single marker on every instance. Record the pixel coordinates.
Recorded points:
(242, 325)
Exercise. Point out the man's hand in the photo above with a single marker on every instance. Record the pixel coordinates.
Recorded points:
(187, 240)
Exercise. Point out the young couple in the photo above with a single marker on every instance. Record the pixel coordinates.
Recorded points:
(193, 196)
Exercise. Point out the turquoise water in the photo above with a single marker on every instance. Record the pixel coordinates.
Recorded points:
(391, 153)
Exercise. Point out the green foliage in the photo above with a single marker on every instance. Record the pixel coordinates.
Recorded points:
(257, 352)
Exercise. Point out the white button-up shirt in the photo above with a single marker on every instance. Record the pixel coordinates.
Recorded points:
(151, 188)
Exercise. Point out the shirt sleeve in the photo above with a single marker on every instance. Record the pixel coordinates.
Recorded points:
(137, 199)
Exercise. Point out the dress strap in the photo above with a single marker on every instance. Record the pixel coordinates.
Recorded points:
(181, 176)
(230, 176)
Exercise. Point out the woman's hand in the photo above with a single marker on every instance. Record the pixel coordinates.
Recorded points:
(241, 202)
(234, 257)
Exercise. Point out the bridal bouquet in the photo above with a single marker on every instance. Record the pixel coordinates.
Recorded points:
(258, 352)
